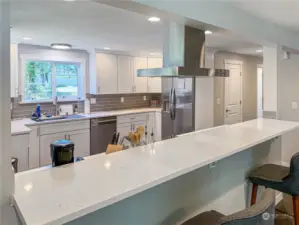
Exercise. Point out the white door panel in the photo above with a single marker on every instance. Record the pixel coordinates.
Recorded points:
(233, 94)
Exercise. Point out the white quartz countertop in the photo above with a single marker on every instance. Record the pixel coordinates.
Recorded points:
(22, 126)
(62, 194)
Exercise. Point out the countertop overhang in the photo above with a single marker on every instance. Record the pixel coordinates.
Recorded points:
(62, 194)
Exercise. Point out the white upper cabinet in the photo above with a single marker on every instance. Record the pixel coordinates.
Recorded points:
(154, 83)
(140, 83)
(106, 69)
(125, 74)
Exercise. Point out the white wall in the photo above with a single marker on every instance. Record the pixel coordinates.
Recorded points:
(204, 102)
(45, 53)
(271, 60)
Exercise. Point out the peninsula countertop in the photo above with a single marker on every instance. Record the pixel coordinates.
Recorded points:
(59, 195)
(22, 126)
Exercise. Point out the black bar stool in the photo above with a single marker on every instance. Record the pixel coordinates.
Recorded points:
(279, 178)
(261, 213)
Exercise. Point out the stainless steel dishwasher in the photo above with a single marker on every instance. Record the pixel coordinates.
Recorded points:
(101, 133)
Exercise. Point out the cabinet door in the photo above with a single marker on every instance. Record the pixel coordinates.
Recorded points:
(124, 130)
(20, 150)
(140, 83)
(106, 73)
(45, 151)
(154, 83)
(81, 139)
(125, 74)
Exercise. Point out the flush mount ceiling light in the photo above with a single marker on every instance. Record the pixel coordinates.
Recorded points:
(259, 50)
(107, 48)
(154, 19)
(61, 46)
(208, 32)
(69, 0)
(27, 38)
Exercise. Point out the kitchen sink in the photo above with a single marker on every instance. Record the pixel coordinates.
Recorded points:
(59, 118)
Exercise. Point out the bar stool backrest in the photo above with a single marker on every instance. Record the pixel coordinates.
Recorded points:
(262, 213)
(294, 166)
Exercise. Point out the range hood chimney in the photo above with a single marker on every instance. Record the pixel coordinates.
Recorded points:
(183, 55)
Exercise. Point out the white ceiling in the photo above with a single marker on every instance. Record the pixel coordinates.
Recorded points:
(281, 12)
(89, 25)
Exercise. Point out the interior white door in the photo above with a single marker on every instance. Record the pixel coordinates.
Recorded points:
(125, 74)
(154, 83)
(140, 83)
(106, 73)
(81, 140)
(233, 93)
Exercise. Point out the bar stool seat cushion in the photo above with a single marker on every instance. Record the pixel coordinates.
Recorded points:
(269, 172)
(206, 218)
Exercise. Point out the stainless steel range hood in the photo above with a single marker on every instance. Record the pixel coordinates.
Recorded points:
(183, 55)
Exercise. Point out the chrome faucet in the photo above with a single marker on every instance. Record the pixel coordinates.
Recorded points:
(57, 108)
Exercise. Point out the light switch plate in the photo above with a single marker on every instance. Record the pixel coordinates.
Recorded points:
(93, 101)
(144, 98)
(122, 99)
(218, 101)
(294, 105)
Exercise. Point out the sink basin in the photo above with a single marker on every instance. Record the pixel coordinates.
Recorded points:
(59, 118)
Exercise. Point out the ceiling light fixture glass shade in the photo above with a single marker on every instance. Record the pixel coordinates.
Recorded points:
(259, 50)
(27, 38)
(61, 46)
(107, 48)
(154, 19)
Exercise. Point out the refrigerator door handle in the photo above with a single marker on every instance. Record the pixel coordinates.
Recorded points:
(173, 104)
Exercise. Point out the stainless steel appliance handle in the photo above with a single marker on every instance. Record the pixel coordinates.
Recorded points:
(173, 104)
(103, 121)
(170, 103)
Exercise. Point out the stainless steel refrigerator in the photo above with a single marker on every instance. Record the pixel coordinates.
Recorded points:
(178, 97)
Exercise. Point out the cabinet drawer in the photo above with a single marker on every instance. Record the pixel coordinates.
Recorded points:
(132, 118)
(64, 127)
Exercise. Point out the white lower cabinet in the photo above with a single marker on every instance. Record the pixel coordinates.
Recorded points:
(81, 139)
(124, 129)
(44, 147)
(20, 150)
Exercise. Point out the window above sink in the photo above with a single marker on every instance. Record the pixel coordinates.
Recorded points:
(51, 73)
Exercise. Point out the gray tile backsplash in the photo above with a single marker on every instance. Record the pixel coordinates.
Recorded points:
(113, 101)
(103, 103)
(25, 110)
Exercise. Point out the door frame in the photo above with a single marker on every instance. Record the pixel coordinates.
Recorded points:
(240, 63)
(260, 66)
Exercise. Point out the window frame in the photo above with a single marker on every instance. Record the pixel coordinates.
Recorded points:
(53, 59)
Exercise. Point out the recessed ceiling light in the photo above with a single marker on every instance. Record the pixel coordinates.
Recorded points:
(69, 0)
(154, 19)
(208, 32)
(107, 48)
(259, 50)
(61, 46)
(27, 38)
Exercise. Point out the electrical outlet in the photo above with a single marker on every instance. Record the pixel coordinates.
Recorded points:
(294, 105)
(144, 98)
(122, 99)
(93, 101)
(218, 101)
(212, 165)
